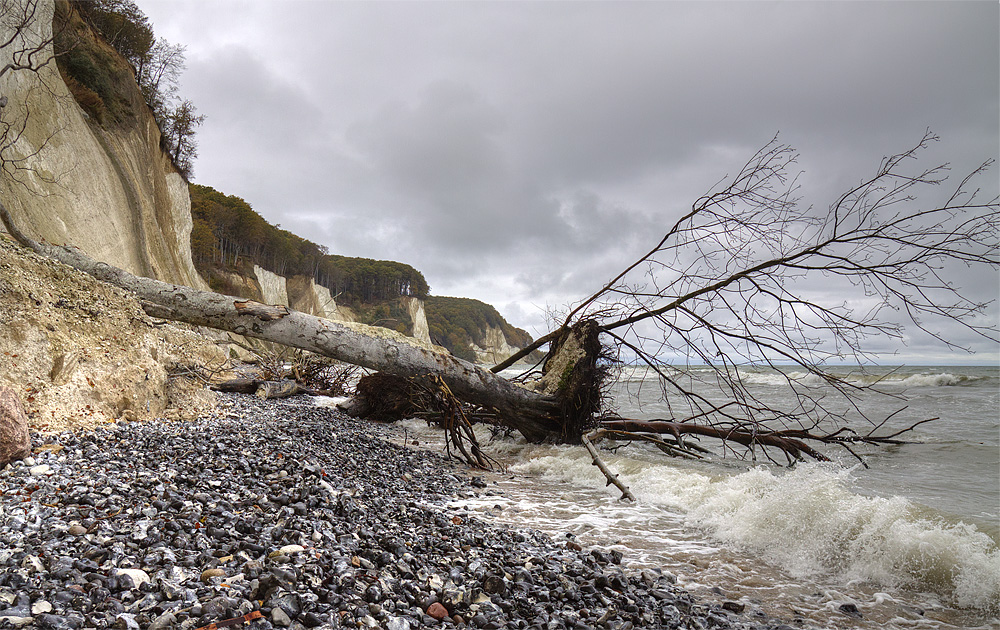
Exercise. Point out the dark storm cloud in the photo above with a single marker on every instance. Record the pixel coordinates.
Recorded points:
(522, 153)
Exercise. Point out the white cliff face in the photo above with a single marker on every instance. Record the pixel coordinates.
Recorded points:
(273, 287)
(111, 192)
(308, 297)
(421, 332)
(327, 306)
(496, 348)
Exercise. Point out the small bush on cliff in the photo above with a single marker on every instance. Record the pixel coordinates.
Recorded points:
(89, 100)
(100, 81)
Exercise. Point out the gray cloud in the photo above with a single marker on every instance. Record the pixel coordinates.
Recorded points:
(522, 153)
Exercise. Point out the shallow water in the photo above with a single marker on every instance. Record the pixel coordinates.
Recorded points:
(911, 541)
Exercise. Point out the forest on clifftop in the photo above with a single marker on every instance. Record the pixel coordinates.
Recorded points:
(229, 236)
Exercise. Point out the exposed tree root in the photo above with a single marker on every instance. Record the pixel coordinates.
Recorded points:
(389, 398)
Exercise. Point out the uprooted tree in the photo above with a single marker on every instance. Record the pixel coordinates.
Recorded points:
(723, 285)
(726, 285)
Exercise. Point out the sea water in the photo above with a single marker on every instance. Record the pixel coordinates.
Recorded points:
(911, 541)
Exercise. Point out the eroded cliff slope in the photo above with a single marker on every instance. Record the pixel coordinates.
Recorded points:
(80, 352)
(108, 189)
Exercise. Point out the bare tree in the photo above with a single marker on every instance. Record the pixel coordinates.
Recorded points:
(158, 73)
(729, 285)
(724, 286)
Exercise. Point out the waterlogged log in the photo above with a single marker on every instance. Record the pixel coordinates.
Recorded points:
(535, 416)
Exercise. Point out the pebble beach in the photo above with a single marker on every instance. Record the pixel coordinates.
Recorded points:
(282, 514)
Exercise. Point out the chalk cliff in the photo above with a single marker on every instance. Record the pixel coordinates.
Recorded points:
(307, 296)
(495, 347)
(273, 287)
(109, 190)
(421, 332)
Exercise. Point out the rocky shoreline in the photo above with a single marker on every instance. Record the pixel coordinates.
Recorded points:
(300, 514)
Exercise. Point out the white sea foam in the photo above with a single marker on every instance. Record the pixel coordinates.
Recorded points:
(808, 521)
(859, 378)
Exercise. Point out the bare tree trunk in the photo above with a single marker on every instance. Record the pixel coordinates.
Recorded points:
(535, 416)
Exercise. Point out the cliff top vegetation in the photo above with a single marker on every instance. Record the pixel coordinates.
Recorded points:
(230, 236)
(115, 67)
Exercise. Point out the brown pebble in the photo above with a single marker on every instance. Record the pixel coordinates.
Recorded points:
(208, 574)
(437, 611)
(76, 530)
(574, 546)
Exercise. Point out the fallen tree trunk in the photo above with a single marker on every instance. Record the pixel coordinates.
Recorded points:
(536, 416)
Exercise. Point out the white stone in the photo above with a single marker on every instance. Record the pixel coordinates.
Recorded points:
(139, 577)
(33, 564)
(41, 469)
(41, 606)
(280, 618)
(17, 621)
(287, 550)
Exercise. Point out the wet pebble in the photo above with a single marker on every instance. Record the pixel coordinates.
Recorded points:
(303, 514)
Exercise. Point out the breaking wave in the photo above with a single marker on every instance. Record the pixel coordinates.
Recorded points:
(809, 522)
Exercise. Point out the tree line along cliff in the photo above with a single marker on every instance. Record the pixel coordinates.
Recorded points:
(114, 66)
(229, 238)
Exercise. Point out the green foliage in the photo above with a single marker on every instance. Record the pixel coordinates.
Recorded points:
(457, 323)
(387, 314)
(178, 126)
(89, 100)
(363, 280)
(122, 24)
(229, 233)
(112, 63)
(102, 83)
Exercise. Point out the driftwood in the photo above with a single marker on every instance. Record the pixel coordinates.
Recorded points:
(597, 461)
(267, 389)
(723, 287)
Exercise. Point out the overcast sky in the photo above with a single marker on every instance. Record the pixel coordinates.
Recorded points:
(523, 153)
